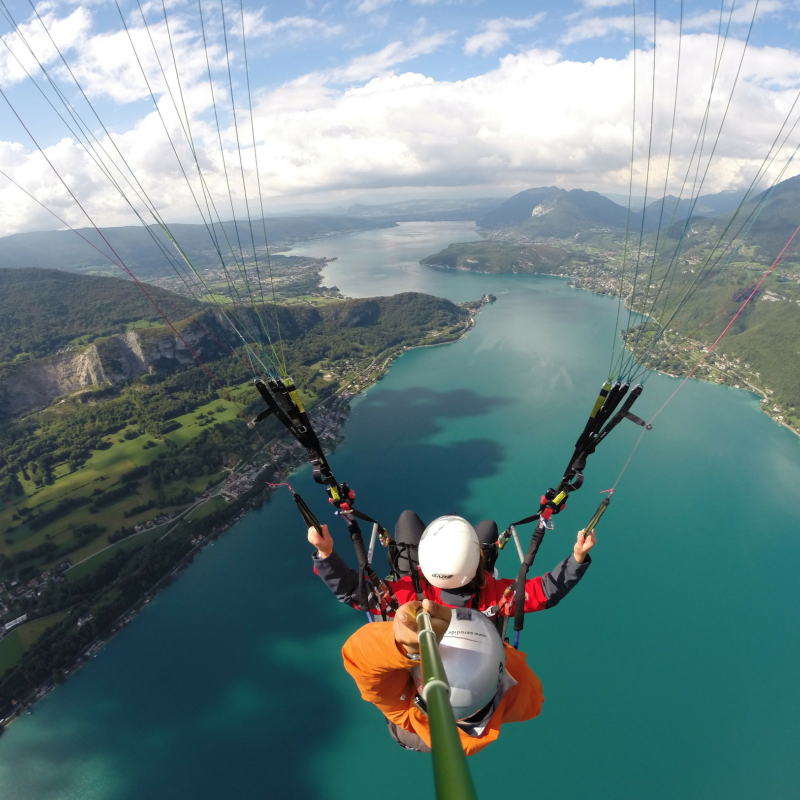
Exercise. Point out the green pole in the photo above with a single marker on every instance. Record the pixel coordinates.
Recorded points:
(450, 770)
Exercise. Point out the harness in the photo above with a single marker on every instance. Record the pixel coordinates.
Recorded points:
(613, 404)
(553, 501)
(283, 401)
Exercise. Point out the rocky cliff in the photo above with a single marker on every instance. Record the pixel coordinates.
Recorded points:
(33, 385)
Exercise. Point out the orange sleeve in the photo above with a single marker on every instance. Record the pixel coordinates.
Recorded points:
(382, 675)
(523, 701)
(381, 671)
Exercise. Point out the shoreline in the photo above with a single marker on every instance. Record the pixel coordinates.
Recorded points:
(762, 393)
(238, 510)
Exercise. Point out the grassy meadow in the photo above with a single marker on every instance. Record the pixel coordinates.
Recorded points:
(102, 471)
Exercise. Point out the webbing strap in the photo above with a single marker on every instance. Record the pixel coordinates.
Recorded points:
(533, 549)
(283, 401)
(307, 514)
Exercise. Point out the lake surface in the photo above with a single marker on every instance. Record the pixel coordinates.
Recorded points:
(671, 671)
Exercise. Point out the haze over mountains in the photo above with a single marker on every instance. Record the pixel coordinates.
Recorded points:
(428, 210)
(537, 213)
(136, 246)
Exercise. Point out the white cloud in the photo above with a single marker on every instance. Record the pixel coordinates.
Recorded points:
(598, 27)
(368, 66)
(369, 6)
(66, 32)
(537, 119)
(595, 27)
(287, 28)
(495, 33)
(742, 15)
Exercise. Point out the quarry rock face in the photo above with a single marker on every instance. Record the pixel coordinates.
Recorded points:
(33, 385)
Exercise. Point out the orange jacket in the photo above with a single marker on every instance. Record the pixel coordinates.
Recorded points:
(382, 674)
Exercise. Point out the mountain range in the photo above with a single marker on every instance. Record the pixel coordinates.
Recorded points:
(444, 210)
(553, 213)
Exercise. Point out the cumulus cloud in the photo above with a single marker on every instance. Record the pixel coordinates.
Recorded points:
(65, 33)
(538, 118)
(496, 32)
(369, 6)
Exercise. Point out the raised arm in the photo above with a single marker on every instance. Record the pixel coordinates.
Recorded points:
(554, 586)
(341, 579)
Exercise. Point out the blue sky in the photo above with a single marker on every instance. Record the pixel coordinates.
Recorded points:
(381, 99)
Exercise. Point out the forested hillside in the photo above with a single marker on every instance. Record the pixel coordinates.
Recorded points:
(42, 310)
(555, 213)
(97, 479)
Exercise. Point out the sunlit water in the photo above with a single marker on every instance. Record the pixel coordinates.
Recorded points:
(671, 671)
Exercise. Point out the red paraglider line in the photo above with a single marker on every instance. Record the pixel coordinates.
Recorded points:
(781, 257)
(716, 342)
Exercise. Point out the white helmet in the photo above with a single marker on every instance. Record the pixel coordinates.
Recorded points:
(474, 661)
(449, 552)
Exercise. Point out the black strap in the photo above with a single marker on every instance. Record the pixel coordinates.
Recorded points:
(533, 549)
(307, 514)
(525, 521)
(282, 400)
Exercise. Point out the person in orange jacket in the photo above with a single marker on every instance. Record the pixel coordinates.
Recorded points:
(491, 683)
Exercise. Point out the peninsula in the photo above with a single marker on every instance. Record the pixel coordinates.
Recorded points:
(582, 236)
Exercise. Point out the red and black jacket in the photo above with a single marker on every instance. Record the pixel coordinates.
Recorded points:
(540, 593)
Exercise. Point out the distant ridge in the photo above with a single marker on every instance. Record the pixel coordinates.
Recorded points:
(553, 212)
(66, 251)
(708, 205)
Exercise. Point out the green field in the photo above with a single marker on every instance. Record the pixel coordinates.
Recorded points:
(102, 471)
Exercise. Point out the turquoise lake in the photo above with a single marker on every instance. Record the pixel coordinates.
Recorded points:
(671, 671)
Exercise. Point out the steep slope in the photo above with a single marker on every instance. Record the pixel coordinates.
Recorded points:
(775, 224)
(338, 330)
(517, 209)
(675, 211)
